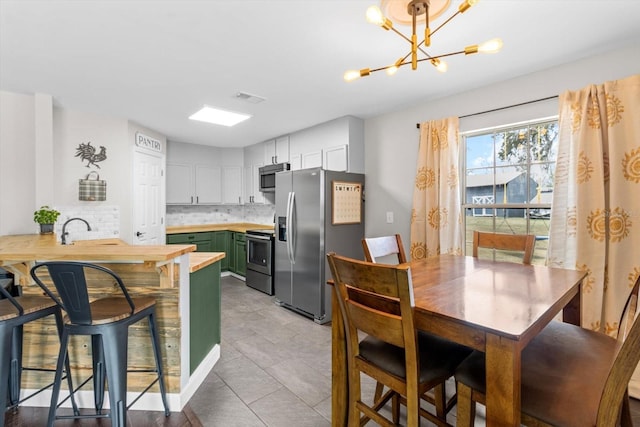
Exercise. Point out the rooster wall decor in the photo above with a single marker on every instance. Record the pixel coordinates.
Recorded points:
(88, 152)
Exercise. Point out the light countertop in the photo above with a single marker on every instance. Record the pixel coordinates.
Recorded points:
(41, 247)
(240, 227)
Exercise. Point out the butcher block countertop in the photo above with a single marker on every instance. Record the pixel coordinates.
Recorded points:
(199, 260)
(41, 247)
(239, 227)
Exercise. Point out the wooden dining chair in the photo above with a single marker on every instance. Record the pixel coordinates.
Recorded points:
(571, 376)
(505, 242)
(376, 300)
(377, 247)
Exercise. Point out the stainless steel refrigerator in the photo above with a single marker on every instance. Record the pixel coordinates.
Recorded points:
(307, 228)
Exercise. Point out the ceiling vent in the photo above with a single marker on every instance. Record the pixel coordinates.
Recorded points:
(254, 99)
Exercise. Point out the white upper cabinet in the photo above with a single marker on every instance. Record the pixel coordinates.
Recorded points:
(335, 145)
(232, 190)
(208, 185)
(336, 158)
(253, 161)
(202, 175)
(180, 185)
(276, 150)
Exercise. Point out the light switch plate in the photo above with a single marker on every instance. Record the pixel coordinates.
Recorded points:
(389, 217)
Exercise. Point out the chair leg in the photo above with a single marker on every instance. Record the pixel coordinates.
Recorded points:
(62, 360)
(5, 340)
(114, 340)
(155, 341)
(15, 370)
(99, 373)
(466, 407)
(440, 400)
(67, 365)
(378, 394)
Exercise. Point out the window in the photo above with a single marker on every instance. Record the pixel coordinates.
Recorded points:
(509, 182)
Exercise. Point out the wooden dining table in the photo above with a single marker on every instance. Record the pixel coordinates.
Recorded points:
(491, 306)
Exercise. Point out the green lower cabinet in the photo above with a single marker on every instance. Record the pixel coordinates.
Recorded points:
(221, 241)
(241, 255)
(203, 241)
(204, 309)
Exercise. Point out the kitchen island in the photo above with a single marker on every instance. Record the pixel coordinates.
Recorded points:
(187, 305)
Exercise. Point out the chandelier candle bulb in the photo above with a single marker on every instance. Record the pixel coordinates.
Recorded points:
(490, 46)
(466, 5)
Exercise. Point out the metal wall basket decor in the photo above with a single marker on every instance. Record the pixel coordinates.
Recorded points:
(92, 189)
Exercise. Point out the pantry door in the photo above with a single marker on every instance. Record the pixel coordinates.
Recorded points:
(148, 198)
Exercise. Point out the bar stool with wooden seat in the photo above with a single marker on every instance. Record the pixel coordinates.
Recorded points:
(571, 376)
(377, 300)
(505, 242)
(377, 247)
(107, 321)
(15, 312)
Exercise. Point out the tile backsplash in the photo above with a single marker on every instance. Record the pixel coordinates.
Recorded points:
(104, 222)
(218, 214)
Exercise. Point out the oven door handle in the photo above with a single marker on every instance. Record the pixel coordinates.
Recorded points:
(256, 237)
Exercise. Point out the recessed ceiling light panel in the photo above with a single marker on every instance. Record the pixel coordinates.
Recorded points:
(219, 117)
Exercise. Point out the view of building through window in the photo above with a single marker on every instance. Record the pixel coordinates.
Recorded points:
(508, 188)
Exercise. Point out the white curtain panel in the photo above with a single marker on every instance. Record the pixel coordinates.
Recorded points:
(436, 218)
(595, 220)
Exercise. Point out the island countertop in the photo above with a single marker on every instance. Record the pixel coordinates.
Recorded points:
(41, 247)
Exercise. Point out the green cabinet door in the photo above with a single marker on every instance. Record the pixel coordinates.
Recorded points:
(203, 241)
(221, 241)
(239, 254)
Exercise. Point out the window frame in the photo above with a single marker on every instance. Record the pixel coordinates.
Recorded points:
(495, 166)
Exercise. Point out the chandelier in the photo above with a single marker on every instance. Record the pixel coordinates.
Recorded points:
(415, 10)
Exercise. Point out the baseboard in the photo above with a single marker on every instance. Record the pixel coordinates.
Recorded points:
(150, 401)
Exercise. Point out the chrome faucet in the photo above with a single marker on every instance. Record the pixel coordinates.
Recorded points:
(64, 227)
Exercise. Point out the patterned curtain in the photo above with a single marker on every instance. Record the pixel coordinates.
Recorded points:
(595, 220)
(436, 218)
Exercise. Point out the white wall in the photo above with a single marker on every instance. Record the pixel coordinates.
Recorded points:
(391, 140)
(17, 165)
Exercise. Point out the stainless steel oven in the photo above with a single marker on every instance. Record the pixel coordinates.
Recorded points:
(260, 245)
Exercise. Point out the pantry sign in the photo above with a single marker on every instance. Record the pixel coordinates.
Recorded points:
(148, 142)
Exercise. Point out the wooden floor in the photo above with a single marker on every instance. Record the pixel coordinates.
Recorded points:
(29, 417)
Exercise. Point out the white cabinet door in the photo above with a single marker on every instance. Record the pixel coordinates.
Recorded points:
(180, 186)
(252, 184)
(296, 161)
(232, 185)
(276, 150)
(312, 160)
(208, 185)
(335, 158)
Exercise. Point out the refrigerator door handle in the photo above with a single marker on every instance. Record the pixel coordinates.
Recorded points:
(293, 229)
(288, 227)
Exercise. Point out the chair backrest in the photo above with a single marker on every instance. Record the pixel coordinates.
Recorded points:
(629, 312)
(70, 282)
(376, 247)
(505, 242)
(376, 299)
(624, 364)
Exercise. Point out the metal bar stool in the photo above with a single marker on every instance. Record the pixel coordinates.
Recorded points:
(14, 313)
(107, 321)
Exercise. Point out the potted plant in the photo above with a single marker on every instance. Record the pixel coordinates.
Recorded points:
(46, 217)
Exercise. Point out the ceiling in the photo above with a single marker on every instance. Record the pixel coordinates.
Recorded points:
(157, 62)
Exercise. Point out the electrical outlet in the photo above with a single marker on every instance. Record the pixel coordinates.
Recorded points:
(389, 217)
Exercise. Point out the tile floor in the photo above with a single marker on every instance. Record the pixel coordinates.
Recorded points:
(275, 367)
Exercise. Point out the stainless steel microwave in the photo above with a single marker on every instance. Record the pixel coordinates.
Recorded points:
(268, 176)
